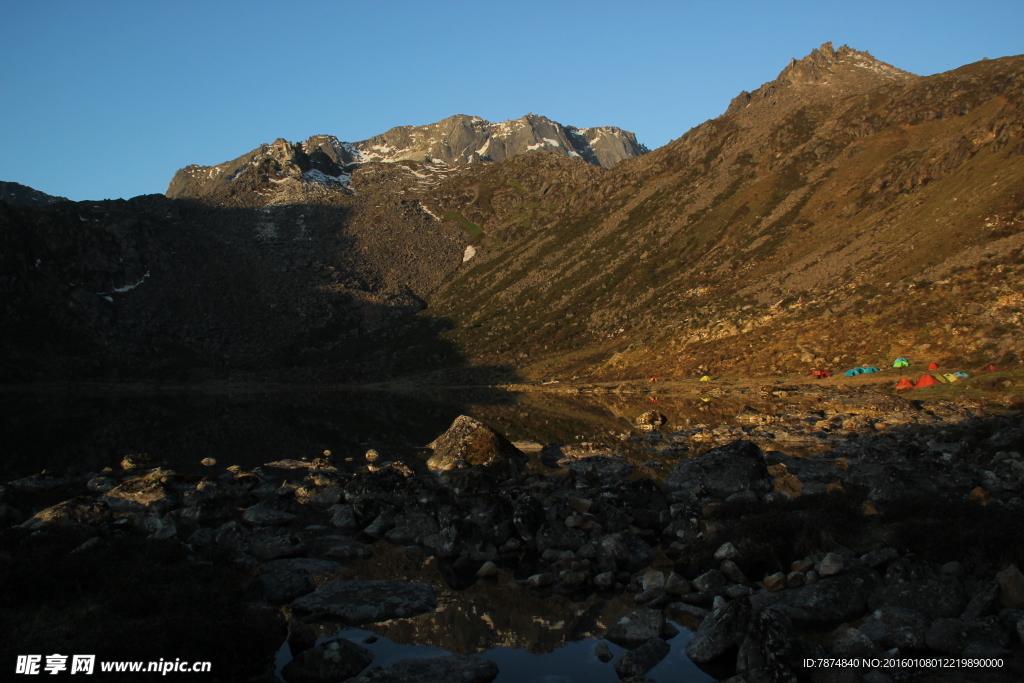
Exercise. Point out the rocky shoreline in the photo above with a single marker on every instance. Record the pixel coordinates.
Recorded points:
(854, 526)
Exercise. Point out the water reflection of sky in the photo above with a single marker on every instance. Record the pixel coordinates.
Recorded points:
(571, 663)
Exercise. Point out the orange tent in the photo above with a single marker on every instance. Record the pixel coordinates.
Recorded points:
(905, 384)
(933, 366)
(927, 381)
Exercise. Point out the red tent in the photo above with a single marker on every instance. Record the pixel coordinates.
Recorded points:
(927, 381)
(820, 374)
(933, 366)
(905, 384)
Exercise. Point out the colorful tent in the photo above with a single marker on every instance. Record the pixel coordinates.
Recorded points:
(870, 368)
(705, 378)
(853, 372)
(950, 377)
(901, 363)
(904, 384)
(927, 380)
(961, 375)
(820, 374)
(933, 366)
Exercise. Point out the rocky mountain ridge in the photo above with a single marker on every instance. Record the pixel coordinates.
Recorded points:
(843, 213)
(431, 150)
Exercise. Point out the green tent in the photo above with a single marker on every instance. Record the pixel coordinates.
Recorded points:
(901, 363)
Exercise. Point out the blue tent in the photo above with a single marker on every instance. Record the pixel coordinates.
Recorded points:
(870, 369)
(853, 372)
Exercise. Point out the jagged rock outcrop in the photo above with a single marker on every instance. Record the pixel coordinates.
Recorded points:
(435, 149)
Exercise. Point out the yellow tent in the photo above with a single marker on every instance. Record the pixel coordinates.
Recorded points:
(705, 378)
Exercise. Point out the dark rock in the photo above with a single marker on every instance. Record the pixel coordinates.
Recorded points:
(456, 668)
(1011, 587)
(710, 580)
(285, 580)
(269, 544)
(337, 660)
(769, 651)
(81, 510)
(641, 660)
(837, 598)
(340, 548)
(942, 596)
(142, 493)
(848, 641)
(984, 602)
(900, 627)
(265, 515)
(720, 630)
(637, 628)
(471, 441)
(561, 537)
(722, 471)
(367, 602)
(948, 636)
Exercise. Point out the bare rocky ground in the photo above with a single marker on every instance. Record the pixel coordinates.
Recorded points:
(842, 522)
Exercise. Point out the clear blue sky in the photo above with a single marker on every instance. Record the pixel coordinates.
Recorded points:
(107, 99)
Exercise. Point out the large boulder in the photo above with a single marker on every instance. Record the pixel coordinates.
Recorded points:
(337, 660)
(720, 631)
(837, 598)
(80, 510)
(472, 442)
(367, 602)
(638, 627)
(286, 579)
(723, 471)
(942, 597)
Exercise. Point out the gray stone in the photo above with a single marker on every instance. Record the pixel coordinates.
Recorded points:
(727, 551)
(769, 652)
(142, 493)
(653, 579)
(948, 636)
(454, 668)
(879, 557)
(723, 471)
(685, 610)
(984, 602)
(719, 631)
(831, 565)
(733, 572)
(1011, 587)
(367, 602)
(340, 548)
(775, 582)
(264, 515)
(641, 660)
(848, 641)
(676, 584)
(487, 570)
(604, 580)
(344, 517)
(942, 596)
(81, 510)
(337, 660)
(286, 579)
(269, 544)
(900, 627)
(603, 652)
(710, 580)
(637, 628)
(837, 598)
